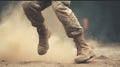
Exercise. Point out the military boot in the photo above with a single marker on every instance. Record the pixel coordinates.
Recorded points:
(44, 35)
(84, 51)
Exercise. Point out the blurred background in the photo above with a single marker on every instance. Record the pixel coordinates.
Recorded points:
(103, 19)
(100, 19)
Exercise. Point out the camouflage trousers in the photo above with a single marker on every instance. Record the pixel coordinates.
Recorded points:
(62, 11)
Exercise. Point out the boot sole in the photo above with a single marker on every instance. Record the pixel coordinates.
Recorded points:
(86, 60)
(91, 57)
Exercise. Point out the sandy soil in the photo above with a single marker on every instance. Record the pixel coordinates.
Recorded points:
(107, 56)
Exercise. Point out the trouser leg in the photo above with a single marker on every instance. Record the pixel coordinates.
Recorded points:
(67, 18)
(33, 12)
(73, 29)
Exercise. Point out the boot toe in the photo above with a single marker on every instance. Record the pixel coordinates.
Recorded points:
(42, 50)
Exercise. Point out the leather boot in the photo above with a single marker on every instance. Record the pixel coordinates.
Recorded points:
(44, 35)
(84, 51)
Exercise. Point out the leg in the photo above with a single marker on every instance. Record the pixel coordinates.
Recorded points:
(33, 12)
(73, 29)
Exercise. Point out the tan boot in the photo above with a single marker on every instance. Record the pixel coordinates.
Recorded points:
(43, 45)
(84, 51)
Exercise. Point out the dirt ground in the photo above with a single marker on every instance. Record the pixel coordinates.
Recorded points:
(107, 56)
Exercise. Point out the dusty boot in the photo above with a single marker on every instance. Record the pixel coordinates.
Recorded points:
(84, 51)
(33, 12)
(43, 45)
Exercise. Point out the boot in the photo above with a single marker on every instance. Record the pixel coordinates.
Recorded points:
(44, 35)
(84, 51)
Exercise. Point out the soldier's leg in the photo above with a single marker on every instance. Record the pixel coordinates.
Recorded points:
(33, 12)
(73, 29)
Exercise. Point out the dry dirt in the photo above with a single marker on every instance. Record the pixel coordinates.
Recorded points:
(107, 56)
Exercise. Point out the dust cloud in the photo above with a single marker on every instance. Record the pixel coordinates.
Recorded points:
(18, 39)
